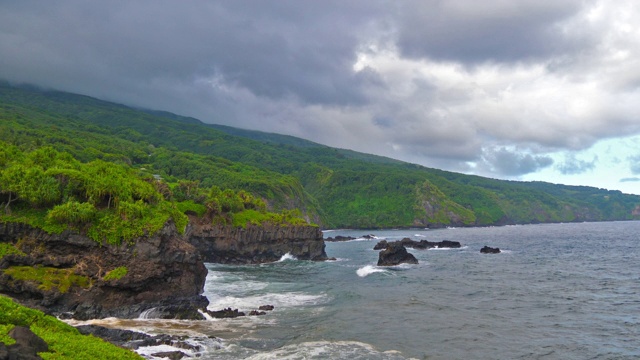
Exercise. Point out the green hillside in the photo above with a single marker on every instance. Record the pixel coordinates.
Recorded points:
(332, 187)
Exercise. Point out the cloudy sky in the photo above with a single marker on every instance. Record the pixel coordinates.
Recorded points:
(510, 89)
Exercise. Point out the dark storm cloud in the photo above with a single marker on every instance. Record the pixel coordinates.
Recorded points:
(448, 84)
(478, 31)
(274, 49)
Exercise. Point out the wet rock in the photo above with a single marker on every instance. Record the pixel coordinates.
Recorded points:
(422, 244)
(339, 238)
(490, 250)
(134, 340)
(171, 355)
(225, 313)
(382, 244)
(114, 336)
(256, 313)
(266, 307)
(395, 254)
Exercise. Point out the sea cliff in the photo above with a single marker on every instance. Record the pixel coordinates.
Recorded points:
(255, 244)
(71, 273)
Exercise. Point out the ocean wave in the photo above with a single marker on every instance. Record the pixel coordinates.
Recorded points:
(286, 257)
(201, 346)
(279, 300)
(368, 270)
(328, 350)
(447, 249)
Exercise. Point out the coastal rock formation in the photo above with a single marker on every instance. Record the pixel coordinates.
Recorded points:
(339, 238)
(422, 244)
(134, 340)
(394, 254)
(490, 250)
(66, 273)
(255, 244)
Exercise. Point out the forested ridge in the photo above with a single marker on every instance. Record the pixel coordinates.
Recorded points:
(331, 187)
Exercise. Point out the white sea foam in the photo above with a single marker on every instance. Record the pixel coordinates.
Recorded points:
(279, 300)
(447, 249)
(419, 235)
(205, 345)
(286, 257)
(327, 350)
(147, 314)
(368, 270)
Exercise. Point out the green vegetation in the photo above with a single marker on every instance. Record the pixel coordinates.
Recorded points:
(333, 187)
(9, 249)
(65, 342)
(253, 217)
(48, 278)
(116, 274)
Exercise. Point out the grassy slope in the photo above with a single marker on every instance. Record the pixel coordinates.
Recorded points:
(65, 342)
(342, 187)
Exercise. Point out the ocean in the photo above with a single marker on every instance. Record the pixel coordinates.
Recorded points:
(557, 291)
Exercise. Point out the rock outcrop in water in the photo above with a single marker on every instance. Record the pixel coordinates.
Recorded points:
(65, 273)
(422, 244)
(490, 250)
(395, 254)
(255, 244)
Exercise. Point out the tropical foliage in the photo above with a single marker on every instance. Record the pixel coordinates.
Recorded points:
(333, 187)
(65, 342)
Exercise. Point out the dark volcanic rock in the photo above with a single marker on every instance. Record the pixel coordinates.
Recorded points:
(162, 270)
(422, 244)
(255, 244)
(171, 355)
(225, 313)
(134, 340)
(490, 250)
(114, 336)
(395, 254)
(266, 307)
(339, 238)
(382, 244)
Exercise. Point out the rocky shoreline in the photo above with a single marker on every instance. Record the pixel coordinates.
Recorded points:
(164, 272)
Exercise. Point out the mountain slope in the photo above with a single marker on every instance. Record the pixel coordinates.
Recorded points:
(333, 187)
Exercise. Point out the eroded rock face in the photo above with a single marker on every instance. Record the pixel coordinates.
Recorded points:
(256, 244)
(162, 270)
(395, 254)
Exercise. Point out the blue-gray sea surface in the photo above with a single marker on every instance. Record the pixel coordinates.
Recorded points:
(558, 291)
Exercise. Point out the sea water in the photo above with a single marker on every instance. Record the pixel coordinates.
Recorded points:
(557, 291)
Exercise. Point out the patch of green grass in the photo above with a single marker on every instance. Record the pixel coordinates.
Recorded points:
(254, 217)
(65, 342)
(190, 206)
(48, 277)
(116, 274)
(8, 249)
(4, 330)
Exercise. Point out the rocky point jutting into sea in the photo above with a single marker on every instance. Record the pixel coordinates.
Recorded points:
(66, 273)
